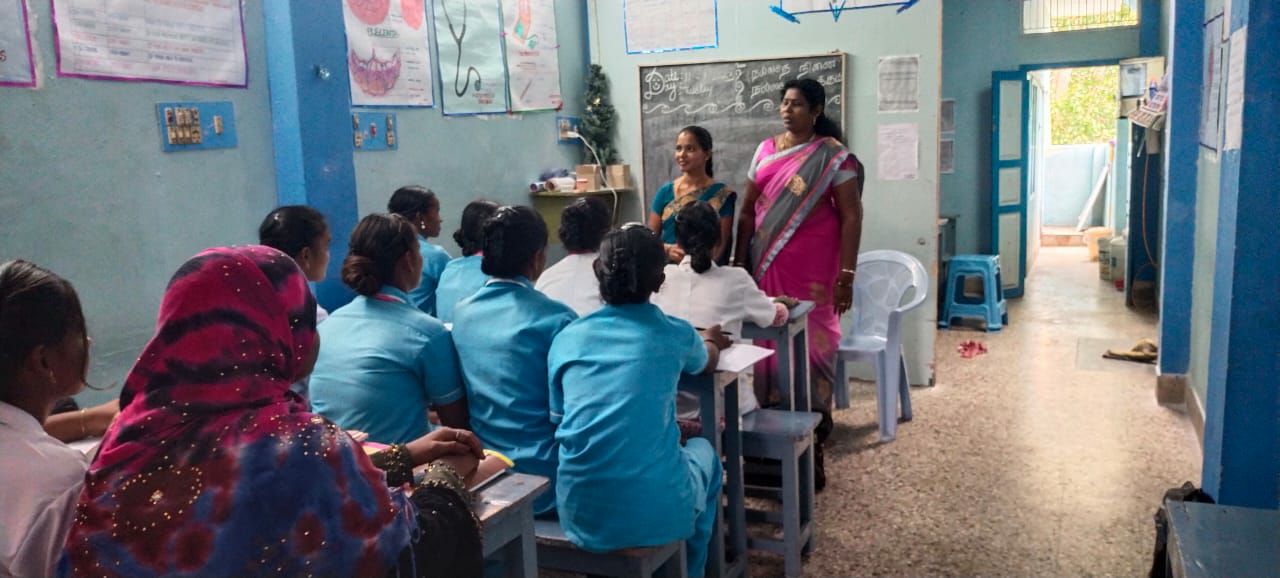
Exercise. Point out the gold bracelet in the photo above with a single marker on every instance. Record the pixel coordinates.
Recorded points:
(84, 431)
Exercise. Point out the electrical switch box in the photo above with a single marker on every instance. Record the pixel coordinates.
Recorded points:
(373, 130)
(196, 125)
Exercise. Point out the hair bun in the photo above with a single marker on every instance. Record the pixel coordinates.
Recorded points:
(359, 273)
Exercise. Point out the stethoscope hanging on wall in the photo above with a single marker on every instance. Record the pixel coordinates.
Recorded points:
(458, 38)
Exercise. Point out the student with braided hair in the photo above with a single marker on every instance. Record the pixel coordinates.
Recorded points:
(624, 479)
(503, 333)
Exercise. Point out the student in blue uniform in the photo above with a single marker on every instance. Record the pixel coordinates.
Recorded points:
(300, 232)
(503, 333)
(463, 277)
(624, 479)
(382, 361)
(421, 208)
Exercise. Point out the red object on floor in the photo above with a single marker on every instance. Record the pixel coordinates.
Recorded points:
(971, 349)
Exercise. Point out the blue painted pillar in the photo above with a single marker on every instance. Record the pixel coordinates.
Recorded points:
(1149, 28)
(311, 122)
(1182, 154)
(1242, 413)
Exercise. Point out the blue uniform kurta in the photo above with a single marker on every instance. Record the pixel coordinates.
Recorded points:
(624, 479)
(434, 260)
(503, 334)
(382, 363)
(461, 279)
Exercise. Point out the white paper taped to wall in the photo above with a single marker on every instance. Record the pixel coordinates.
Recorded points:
(898, 150)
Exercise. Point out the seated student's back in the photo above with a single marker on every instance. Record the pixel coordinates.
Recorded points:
(462, 276)
(382, 361)
(503, 333)
(572, 281)
(624, 479)
(44, 356)
(705, 294)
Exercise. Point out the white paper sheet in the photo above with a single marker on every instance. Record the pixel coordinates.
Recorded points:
(898, 150)
(1234, 122)
(86, 446)
(899, 83)
(740, 356)
(191, 42)
(661, 25)
(387, 54)
(947, 115)
(1133, 80)
(947, 156)
(1211, 92)
(533, 63)
(15, 66)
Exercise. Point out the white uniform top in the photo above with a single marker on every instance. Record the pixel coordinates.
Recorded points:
(40, 481)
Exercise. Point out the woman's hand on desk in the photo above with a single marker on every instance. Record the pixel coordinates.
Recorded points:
(716, 337)
(446, 442)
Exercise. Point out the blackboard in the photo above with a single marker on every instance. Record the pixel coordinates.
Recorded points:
(736, 100)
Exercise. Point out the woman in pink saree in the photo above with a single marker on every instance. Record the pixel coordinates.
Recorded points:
(801, 225)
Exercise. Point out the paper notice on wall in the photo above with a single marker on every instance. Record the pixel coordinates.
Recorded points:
(947, 115)
(17, 66)
(533, 63)
(662, 25)
(947, 156)
(1211, 92)
(1234, 122)
(190, 42)
(469, 44)
(388, 60)
(899, 83)
(898, 150)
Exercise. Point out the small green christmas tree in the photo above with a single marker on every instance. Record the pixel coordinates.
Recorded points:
(598, 122)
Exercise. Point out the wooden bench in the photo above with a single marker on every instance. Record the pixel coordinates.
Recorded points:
(505, 510)
(556, 552)
(1207, 540)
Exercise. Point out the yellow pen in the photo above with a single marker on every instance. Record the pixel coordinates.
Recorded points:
(505, 459)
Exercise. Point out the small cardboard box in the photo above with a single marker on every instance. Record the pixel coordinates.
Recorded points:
(619, 176)
(588, 178)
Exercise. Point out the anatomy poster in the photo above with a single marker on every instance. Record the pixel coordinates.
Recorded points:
(533, 64)
(387, 52)
(473, 78)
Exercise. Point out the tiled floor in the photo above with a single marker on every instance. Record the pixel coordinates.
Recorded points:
(1038, 458)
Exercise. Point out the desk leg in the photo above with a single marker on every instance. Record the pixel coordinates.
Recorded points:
(801, 378)
(786, 373)
(711, 410)
(520, 556)
(735, 487)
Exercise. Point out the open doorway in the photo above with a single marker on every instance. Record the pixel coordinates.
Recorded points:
(1073, 166)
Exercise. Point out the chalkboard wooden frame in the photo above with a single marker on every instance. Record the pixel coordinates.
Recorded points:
(649, 188)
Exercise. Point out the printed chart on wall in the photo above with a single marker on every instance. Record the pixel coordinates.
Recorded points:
(533, 64)
(659, 26)
(197, 42)
(1211, 93)
(469, 43)
(387, 54)
(17, 68)
(899, 89)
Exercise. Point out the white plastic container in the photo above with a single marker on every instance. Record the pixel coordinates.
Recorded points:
(1104, 258)
(1091, 238)
(1119, 253)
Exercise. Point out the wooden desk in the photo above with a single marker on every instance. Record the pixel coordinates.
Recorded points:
(718, 397)
(505, 510)
(1208, 540)
(791, 343)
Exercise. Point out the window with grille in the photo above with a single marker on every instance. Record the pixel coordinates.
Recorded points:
(1041, 16)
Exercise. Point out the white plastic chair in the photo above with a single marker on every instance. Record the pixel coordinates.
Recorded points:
(874, 331)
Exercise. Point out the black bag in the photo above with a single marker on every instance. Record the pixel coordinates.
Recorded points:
(1160, 558)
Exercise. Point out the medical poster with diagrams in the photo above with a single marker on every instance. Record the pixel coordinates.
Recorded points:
(388, 58)
(473, 78)
(198, 42)
(533, 63)
(17, 66)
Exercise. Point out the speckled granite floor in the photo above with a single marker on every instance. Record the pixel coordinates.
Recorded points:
(1035, 459)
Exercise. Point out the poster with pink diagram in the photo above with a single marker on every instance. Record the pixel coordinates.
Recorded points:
(387, 54)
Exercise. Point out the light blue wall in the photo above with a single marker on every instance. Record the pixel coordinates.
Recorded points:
(494, 157)
(1070, 173)
(980, 37)
(1206, 242)
(86, 192)
(900, 215)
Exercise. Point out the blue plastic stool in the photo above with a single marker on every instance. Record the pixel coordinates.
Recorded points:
(992, 307)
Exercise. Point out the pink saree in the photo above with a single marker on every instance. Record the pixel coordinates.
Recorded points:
(796, 247)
